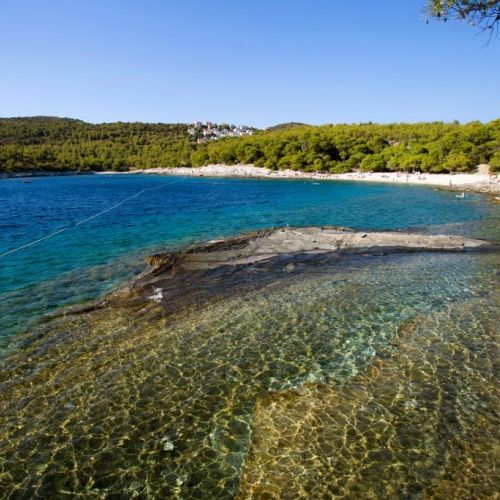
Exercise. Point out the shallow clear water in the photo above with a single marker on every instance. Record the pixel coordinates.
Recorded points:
(372, 377)
(113, 403)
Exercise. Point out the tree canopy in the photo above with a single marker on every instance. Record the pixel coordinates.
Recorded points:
(425, 147)
(47, 143)
(485, 14)
(58, 144)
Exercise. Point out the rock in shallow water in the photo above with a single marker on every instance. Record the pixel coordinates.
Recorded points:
(263, 245)
(167, 444)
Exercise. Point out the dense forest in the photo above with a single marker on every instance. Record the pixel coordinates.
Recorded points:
(46, 143)
(58, 144)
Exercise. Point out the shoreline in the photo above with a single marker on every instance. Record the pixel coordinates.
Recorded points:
(478, 182)
(43, 173)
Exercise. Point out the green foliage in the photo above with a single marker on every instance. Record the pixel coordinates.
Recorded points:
(426, 147)
(485, 14)
(373, 163)
(43, 143)
(55, 144)
(495, 162)
(282, 126)
(458, 161)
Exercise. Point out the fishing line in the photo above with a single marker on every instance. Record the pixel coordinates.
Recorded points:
(79, 223)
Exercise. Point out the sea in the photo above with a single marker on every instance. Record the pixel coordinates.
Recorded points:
(373, 378)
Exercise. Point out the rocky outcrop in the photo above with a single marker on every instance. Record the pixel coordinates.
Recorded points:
(220, 268)
(268, 244)
(186, 279)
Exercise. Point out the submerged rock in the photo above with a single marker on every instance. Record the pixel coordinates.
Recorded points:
(167, 444)
(219, 267)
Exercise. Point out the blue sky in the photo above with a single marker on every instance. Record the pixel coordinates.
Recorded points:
(259, 63)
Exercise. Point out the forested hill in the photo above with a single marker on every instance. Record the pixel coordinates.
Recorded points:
(46, 143)
(427, 147)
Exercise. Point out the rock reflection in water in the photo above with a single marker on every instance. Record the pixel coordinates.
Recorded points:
(134, 402)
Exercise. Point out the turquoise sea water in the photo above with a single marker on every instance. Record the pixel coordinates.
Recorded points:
(86, 260)
(368, 377)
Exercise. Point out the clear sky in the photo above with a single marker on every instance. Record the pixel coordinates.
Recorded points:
(257, 62)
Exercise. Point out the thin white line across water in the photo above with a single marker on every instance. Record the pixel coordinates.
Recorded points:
(79, 223)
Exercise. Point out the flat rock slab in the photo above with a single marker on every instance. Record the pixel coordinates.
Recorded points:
(186, 279)
(267, 244)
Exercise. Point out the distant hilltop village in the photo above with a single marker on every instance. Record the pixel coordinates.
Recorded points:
(208, 131)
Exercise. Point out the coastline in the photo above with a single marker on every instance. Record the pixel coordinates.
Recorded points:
(43, 173)
(478, 182)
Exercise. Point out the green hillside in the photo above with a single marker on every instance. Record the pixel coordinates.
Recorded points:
(47, 143)
(57, 144)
